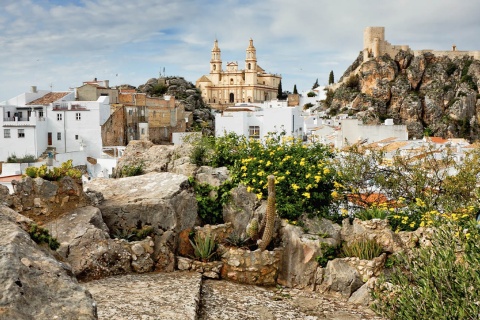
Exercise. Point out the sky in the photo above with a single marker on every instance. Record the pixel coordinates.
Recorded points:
(58, 44)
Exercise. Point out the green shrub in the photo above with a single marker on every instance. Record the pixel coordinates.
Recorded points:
(135, 169)
(55, 174)
(352, 82)
(440, 281)
(210, 200)
(311, 94)
(204, 247)
(374, 212)
(451, 68)
(133, 234)
(365, 249)
(29, 158)
(41, 235)
(328, 253)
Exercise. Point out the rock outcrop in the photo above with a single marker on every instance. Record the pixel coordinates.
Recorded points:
(424, 92)
(163, 201)
(86, 245)
(34, 284)
(44, 200)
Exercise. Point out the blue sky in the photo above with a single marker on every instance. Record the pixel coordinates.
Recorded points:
(62, 43)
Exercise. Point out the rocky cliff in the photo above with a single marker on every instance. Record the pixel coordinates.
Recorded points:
(430, 94)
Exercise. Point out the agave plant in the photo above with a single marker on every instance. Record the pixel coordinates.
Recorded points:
(204, 247)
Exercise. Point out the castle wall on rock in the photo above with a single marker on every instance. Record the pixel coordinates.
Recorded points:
(375, 45)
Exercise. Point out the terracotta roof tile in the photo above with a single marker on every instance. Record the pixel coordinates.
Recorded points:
(48, 98)
(437, 140)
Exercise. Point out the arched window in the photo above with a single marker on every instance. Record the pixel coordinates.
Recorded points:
(231, 81)
(214, 67)
(232, 97)
(249, 66)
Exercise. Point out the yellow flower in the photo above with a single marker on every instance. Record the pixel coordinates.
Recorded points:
(260, 173)
(467, 235)
(259, 196)
(249, 189)
(422, 224)
(344, 212)
(308, 187)
(317, 179)
(295, 186)
(287, 173)
(306, 195)
(334, 194)
(326, 170)
(412, 224)
(243, 168)
(268, 163)
(307, 175)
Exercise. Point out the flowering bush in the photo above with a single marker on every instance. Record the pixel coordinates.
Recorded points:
(435, 282)
(303, 175)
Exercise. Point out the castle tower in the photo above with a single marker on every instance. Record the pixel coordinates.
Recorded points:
(251, 64)
(216, 62)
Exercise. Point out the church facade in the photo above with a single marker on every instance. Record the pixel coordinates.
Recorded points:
(224, 88)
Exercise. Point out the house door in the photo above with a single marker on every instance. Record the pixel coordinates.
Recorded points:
(232, 98)
(49, 138)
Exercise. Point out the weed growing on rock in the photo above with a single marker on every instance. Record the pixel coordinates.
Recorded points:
(41, 235)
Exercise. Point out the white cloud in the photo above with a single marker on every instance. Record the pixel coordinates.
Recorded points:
(42, 42)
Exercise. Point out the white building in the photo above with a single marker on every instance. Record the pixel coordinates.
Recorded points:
(352, 131)
(257, 120)
(37, 120)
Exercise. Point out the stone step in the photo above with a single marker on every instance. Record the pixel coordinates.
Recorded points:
(172, 296)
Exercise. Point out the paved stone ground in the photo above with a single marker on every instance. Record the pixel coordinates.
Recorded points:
(183, 296)
(227, 300)
(172, 296)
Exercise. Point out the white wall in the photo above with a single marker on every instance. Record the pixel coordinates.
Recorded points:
(353, 131)
(274, 119)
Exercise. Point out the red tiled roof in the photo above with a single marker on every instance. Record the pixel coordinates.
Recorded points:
(437, 140)
(48, 98)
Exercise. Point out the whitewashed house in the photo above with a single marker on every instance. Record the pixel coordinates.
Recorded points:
(257, 120)
(40, 119)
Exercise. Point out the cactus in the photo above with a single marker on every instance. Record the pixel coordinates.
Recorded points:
(252, 229)
(269, 215)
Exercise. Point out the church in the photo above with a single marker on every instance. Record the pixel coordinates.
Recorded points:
(224, 88)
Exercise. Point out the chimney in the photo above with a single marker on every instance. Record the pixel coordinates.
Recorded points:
(106, 83)
(34, 89)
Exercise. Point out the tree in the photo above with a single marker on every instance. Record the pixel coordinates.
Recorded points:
(315, 84)
(280, 91)
(295, 89)
(331, 79)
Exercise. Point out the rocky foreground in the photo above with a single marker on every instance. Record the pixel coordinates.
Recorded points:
(183, 296)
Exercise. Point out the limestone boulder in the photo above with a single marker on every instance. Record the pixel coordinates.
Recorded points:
(34, 285)
(341, 278)
(154, 158)
(241, 209)
(44, 200)
(363, 296)
(212, 176)
(5, 197)
(165, 201)
(377, 229)
(86, 245)
(299, 265)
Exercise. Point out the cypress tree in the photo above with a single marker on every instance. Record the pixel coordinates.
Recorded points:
(295, 89)
(280, 91)
(331, 80)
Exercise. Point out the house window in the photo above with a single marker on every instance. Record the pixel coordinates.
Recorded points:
(104, 94)
(6, 133)
(76, 137)
(130, 112)
(21, 133)
(40, 114)
(78, 116)
(19, 115)
(143, 130)
(59, 117)
(59, 136)
(254, 132)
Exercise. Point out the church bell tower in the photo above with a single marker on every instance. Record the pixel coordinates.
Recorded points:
(251, 64)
